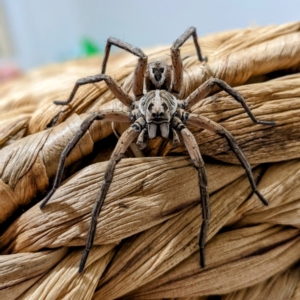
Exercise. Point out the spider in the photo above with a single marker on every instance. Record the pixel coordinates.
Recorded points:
(157, 112)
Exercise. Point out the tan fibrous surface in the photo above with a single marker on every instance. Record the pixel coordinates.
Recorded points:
(147, 233)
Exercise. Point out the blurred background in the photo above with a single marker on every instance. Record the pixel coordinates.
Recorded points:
(35, 33)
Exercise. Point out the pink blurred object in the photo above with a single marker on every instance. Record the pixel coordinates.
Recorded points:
(8, 71)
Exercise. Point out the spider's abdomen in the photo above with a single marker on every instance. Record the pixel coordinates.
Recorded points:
(158, 76)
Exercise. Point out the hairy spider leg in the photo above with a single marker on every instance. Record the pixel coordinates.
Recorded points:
(125, 140)
(193, 150)
(113, 85)
(112, 115)
(138, 81)
(122, 95)
(204, 90)
(138, 128)
(203, 122)
(176, 58)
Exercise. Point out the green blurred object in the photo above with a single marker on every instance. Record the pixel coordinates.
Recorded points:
(89, 48)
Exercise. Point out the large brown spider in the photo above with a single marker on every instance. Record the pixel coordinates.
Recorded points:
(158, 112)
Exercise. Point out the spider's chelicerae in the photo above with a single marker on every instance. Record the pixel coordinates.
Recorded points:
(157, 112)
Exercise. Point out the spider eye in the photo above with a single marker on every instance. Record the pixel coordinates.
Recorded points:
(161, 70)
(154, 70)
(150, 106)
(165, 106)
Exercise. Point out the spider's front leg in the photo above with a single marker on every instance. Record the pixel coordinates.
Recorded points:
(204, 90)
(109, 115)
(125, 140)
(193, 149)
(203, 122)
(176, 58)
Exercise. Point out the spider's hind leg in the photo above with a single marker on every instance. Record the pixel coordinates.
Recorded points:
(176, 58)
(138, 82)
(115, 88)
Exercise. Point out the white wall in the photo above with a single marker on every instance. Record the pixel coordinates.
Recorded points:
(45, 31)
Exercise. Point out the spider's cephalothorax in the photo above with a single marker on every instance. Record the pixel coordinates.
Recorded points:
(158, 107)
(158, 112)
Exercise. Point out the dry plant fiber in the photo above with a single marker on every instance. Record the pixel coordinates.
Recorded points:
(146, 244)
